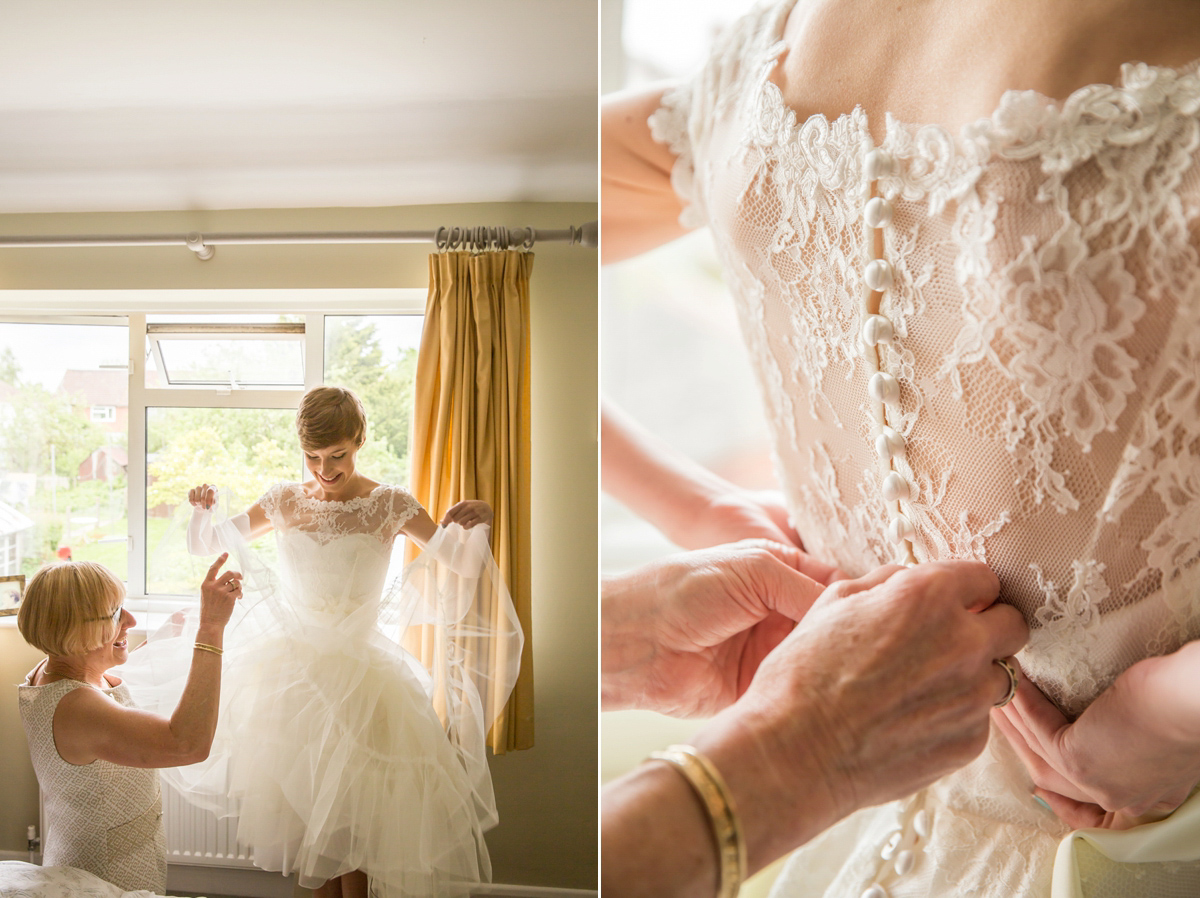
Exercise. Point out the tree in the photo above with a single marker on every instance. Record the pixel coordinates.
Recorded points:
(356, 360)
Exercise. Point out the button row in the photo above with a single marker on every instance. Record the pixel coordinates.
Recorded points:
(879, 276)
(900, 849)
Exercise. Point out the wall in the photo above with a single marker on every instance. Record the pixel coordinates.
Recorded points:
(547, 795)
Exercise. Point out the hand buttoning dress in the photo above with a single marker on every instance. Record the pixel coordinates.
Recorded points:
(1013, 378)
(328, 739)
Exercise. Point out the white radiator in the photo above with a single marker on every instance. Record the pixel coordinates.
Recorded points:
(199, 837)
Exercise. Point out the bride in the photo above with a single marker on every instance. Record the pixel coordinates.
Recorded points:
(329, 742)
(975, 338)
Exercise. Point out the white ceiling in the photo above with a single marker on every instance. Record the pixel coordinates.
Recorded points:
(146, 104)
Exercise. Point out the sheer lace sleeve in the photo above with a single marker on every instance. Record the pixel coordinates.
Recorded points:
(402, 507)
(690, 109)
(269, 502)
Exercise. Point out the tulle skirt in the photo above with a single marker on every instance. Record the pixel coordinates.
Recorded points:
(329, 748)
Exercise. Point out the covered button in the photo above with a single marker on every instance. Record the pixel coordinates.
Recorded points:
(900, 529)
(875, 891)
(889, 444)
(878, 164)
(878, 212)
(877, 329)
(895, 487)
(904, 862)
(884, 388)
(921, 823)
(891, 845)
(878, 275)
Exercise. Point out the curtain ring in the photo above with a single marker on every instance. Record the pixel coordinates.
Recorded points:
(441, 239)
(530, 237)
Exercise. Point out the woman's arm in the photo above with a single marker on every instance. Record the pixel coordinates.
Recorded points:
(640, 210)
(1134, 753)
(202, 538)
(689, 504)
(89, 726)
(467, 514)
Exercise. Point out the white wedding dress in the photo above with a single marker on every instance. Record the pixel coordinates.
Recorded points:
(339, 750)
(979, 345)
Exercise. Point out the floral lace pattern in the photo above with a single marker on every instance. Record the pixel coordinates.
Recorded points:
(1045, 301)
(380, 514)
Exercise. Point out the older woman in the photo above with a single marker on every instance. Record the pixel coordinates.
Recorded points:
(93, 751)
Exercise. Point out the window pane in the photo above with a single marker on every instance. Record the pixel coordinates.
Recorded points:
(376, 357)
(62, 469)
(177, 354)
(241, 451)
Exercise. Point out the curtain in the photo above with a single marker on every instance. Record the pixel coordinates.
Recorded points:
(471, 432)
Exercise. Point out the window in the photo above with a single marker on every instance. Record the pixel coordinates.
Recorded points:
(96, 459)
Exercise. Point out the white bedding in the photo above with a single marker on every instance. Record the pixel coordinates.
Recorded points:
(21, 880)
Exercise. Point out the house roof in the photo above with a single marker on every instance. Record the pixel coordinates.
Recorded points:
(12, 521)
(104, 386)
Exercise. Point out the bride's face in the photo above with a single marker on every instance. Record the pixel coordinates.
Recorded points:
(333, 466)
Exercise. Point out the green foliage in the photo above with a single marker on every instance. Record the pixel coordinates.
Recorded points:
(240, 450)
(355, 359)
(42, 419)
(10, 370)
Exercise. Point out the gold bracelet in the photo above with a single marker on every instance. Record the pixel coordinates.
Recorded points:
(205, 647)
(714, 795)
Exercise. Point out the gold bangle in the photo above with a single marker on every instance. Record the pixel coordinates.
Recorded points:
(205, 647)
(714, 795)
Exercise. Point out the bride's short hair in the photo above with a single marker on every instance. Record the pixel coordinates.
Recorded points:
(328, 415)
(68, 607)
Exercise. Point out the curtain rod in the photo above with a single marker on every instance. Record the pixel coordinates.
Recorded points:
(204, 245)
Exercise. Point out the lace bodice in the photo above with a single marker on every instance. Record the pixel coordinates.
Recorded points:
(334, 556)
(1029, 395)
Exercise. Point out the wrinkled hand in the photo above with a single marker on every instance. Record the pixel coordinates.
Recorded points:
(885, 685)
(685, 634)
(1127, 760)
(468, 513)
(219, 593)
(204, 496)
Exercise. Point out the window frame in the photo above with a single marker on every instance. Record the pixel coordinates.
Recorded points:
(129, 308)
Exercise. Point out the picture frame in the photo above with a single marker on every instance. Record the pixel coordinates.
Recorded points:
(12, 591)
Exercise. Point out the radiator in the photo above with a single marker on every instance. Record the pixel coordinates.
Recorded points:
(200, 837)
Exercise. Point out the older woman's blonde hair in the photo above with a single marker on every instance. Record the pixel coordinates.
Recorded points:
(68, 608)
(328, 415)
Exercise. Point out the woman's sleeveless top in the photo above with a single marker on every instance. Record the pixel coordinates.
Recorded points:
(100, 817)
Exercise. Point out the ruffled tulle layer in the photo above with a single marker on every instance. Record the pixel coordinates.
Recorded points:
(329, 748)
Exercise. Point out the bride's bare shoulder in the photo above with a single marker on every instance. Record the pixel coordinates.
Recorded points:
(948, 62)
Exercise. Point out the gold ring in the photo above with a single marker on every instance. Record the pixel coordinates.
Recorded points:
(1013, 680)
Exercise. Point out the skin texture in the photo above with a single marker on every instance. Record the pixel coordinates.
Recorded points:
(1090, 779)
(690, 505)
(693, 648)
(884, 685)
(90, 726)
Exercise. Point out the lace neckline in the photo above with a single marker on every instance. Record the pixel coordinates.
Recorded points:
(1025, 123)
(343, 503)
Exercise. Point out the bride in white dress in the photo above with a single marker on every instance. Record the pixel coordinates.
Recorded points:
(974, 339)
(329, 744)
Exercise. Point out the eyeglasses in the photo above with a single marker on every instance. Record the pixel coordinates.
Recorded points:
(114, 619)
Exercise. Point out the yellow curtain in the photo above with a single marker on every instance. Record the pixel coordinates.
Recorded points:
(471, 431)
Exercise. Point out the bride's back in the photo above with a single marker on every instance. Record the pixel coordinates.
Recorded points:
(948, 62)
(1043, 295)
